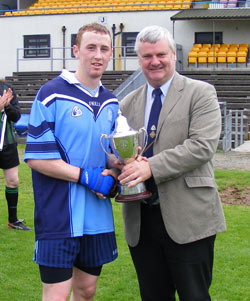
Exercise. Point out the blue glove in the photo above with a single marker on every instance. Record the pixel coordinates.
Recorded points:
(94, 180)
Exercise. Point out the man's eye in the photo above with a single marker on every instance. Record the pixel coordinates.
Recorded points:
(105, 49)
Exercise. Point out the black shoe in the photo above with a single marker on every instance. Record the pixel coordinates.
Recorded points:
(18, 225)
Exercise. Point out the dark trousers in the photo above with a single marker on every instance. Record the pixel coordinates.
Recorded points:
(164, 267)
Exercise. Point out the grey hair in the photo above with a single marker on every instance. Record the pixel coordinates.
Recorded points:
(153, 34)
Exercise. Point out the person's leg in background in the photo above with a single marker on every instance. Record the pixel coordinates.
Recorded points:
(11, 194)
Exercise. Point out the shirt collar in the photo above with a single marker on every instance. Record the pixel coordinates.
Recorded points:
(164, 88)
(71, 79)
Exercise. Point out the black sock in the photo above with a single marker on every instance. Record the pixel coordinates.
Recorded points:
(11, 195)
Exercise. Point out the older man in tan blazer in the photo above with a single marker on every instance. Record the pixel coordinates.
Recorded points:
(171, 236)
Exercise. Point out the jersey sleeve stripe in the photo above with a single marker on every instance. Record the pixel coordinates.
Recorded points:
(42, 147)
(38, 131)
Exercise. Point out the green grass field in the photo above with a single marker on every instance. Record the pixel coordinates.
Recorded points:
(19, 276)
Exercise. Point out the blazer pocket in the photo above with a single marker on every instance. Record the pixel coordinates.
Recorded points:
(200, 182)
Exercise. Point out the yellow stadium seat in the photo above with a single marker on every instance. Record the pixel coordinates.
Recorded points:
(206, 45)
(233, 48)
(223, 49)
(153, 7)
(243, 48)
(16, 13)
(216, 45)
(177, 6)
(211, 59)
(235, 45)
(205, 48)
(244, 44)
(214, 48)
(212, 56)
(231, 57)
(202, 57)
(197, 45)
(221, 57)
(241, 59)
(192, 57)
(160, 7)
(186, 6)
(196, 49)
(241, 56)
(169, 6)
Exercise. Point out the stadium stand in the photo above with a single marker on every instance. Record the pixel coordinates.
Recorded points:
(26, 84)
(216, 53)
(88, 6)
(233, 88)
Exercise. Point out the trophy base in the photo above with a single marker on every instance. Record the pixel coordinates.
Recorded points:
(133, 194)
(133, 197)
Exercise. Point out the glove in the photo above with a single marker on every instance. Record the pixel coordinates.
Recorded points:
(94, 180)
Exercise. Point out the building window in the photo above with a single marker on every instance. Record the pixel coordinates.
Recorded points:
(128, 40)
(38, 46)
(208, 38)
(73, 42)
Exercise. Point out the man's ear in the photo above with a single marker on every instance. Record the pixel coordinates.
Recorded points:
(111, 53)
(75, 51)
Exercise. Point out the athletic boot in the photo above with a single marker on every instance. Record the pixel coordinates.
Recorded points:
(18, 225)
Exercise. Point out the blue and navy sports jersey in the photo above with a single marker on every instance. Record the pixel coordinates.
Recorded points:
(65, 125)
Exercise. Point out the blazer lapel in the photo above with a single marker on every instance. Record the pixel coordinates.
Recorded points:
(139, 107)
(173, 96)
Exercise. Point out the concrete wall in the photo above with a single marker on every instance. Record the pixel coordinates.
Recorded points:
(14, 28)
(233, 32)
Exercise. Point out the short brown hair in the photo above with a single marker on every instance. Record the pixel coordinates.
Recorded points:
(93, 27)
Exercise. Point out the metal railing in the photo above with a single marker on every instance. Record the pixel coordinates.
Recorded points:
(237, 127)
(232, 127)
(63, 54)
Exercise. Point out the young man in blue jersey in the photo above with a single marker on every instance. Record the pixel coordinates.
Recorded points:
(73, 213)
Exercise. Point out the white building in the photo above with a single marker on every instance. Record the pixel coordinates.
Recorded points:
(21, 35)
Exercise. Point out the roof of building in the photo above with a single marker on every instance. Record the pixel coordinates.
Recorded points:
(213, 14)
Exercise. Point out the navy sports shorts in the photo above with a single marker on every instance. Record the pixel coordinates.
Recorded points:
(9, 157)
(86, 251)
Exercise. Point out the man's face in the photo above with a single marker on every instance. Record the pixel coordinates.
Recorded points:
(157, 61)
(93, 54)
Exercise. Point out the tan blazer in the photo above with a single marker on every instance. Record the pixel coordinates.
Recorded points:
(187, 136)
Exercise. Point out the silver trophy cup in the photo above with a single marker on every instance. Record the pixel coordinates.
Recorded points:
(125, 142)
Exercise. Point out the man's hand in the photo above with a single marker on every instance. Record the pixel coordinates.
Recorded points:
(5, 98)
(113, 162)
(9, 96)
(137, 171)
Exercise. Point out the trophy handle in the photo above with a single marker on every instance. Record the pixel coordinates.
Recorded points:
(143, 130)
(106, 137)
